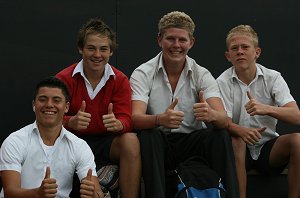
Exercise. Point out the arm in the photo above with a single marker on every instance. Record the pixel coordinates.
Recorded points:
(121, 101)
(90, 186)
(288, 113)
(211, 111)
(11, 181)
(169, 119)
(249, 135)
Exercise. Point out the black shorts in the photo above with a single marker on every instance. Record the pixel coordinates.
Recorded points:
(100, 145)
(262, 163)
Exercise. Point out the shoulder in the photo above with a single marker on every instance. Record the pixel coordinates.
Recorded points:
(195, 66)
(19, 140)
(119, 74)
(67, 72)
(148, 68)
(226, 75)
(269, 75)
(267, 71)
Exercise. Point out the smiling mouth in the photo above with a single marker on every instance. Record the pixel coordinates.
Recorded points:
(49, 112)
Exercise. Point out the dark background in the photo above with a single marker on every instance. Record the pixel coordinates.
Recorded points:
(38, 39)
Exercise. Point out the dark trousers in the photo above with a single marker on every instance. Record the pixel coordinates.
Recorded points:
(161, 152)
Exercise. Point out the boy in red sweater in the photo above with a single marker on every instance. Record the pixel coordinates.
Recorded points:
(100, 105)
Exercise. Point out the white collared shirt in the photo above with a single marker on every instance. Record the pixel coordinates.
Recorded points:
(268, 87)
(24, 151)
(93, 92)
(150, 84)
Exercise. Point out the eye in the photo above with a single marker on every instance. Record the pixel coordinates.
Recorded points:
(234, 48)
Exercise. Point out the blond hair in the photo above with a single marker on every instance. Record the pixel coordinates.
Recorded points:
(176, 19)
(243, 30)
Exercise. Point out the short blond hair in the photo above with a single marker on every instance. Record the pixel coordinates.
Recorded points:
(176, 19)
(243, 30)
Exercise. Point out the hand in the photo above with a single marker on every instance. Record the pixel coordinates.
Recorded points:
(87, 186)
(81, 120)
(111, 123)
(171, 118)
(251, 135)
(48, 187)
(255, 108)
(202, 110)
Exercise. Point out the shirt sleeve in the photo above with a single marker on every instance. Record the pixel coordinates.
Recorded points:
(139, 86)
(226, 96)
(281, 92)
(85, 161)
(11, 154)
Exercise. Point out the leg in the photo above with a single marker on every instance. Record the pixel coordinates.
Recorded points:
(287, 149)
(239, 149)
(152, 152)
(125, 149)
(219, 152)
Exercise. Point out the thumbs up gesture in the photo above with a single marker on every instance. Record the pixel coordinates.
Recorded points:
(87, 186)
(48, 186)
(253, 107)
(202, 110)
(81, 120)
(111, 123)
(171, 118)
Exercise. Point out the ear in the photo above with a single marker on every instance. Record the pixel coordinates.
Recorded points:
(227, 55)
(79, 50)
(67, 107)
(192, 42)
(33, 106)
(257, 52)
(111, 53)
(159, 38)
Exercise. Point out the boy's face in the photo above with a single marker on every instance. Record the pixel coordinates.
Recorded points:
(241, 52)
(175, 44)
(95, 53)
(50, 106)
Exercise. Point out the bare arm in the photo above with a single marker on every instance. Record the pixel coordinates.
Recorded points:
(211, 111)
(11, 181)
(249, 135)
(170, 118)
(288, 113)
(90, 187)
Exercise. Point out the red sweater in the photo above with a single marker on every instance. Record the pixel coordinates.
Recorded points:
(116, 90)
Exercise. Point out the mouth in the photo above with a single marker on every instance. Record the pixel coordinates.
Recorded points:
(49, 112)
(240, 59)
(96, 61)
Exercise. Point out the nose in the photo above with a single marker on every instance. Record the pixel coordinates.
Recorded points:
(240, 50)
(97, 53)
(49, 104)
(176, 42)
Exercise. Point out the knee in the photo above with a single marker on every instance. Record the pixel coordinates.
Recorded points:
(295, 141)
(130, 144)
(238, 144)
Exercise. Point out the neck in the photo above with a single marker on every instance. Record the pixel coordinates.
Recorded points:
(49, 135)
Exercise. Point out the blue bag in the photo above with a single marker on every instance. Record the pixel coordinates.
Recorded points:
(198, 180)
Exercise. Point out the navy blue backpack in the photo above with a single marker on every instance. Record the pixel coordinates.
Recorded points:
(197, 180)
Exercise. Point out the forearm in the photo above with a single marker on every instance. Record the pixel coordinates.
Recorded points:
(220, 119)
(289, 115)
(233, 128)
(18, 192)
(145, 121)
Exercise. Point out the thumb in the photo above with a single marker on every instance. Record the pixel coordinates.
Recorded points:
(47, 175)
(261, 130)
(110, 108)
(249, 95)
(173, 104)
(201, 96)
(83, 105)
(89, 175)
